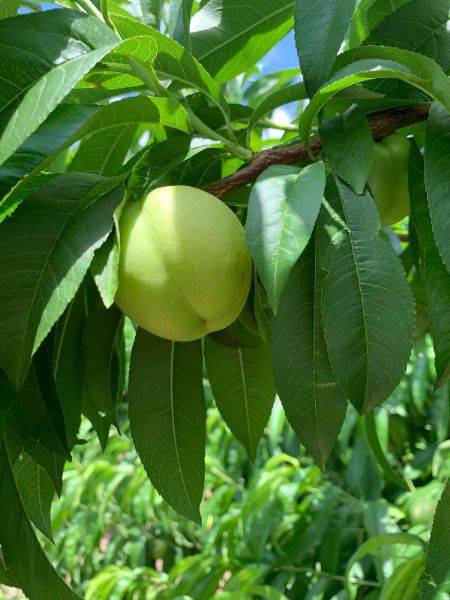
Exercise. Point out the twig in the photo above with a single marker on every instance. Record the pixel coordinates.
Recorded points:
(382, 124)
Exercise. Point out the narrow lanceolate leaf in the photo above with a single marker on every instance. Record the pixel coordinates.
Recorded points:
(50, 52)
(437, 177)
(283, 207)
(436, 583)
(36, 491)
(347, 141)
(105, 151)
(104, 268)
(101, 362)
(241, 382)
(378, 62)
(418, 25)
(230, 39)
(26, 561)
(68, 363)
(168, 418)
(314, 404)
(367, 305)
(60, 126)
(46, 248)
(437, 278)
(319, 30)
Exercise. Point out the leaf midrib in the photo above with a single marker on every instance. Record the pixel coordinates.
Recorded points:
(174, 432)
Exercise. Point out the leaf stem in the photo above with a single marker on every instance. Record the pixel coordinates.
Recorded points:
(90, 8)
(308, 571)
(372, 437)
(203, 129)
(105, 14)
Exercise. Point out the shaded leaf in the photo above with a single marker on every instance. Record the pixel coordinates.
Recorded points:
(168, 418)
(436, 581)
(367, 305)
(105, 266)
(59, 228)
(437, 177)
(347, 141)
(104, 152)
(68, 363)
(241, 382)
(36, 491)
(417, 25)
(26, 562)
(376, 62)
(314, 404)
(179, 22)
(283, 207)
(102, 333)
(437, 278)
(279, 97)
(319, 30)
(229, 40)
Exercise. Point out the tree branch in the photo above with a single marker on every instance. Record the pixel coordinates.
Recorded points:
(381, 124)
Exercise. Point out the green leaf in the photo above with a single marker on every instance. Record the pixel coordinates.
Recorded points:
(283, 207)
(103, 330)
(367, 305)
(52, 464)
(242, 386)
(60, 126)
(168, 418)
(263, 313)
(104, 152)
(43, 366)
(32, 413)
(437, 278)
(418, 25)
(59, 228)
(405, 580)
(230, 39)
(97, 122)
(376, 62)
(26, 564)
(313, 402)
(174, 62)
(320, 28)
(160, 159)
(347, 141)
(373, 545)
(374, 442)
(279, 97)
(51, 52)
(68, 363)
(105, 269)
(36, 491)
(179, 22)
(25, 561)
(8, 8)
(437, 177)
(436, 583)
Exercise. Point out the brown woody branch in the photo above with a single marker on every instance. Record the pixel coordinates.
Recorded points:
(381, 124)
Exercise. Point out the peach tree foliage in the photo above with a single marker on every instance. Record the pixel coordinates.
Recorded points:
(331, 315)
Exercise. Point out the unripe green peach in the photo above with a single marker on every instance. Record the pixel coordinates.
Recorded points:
(185, 269)
(388, 178)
